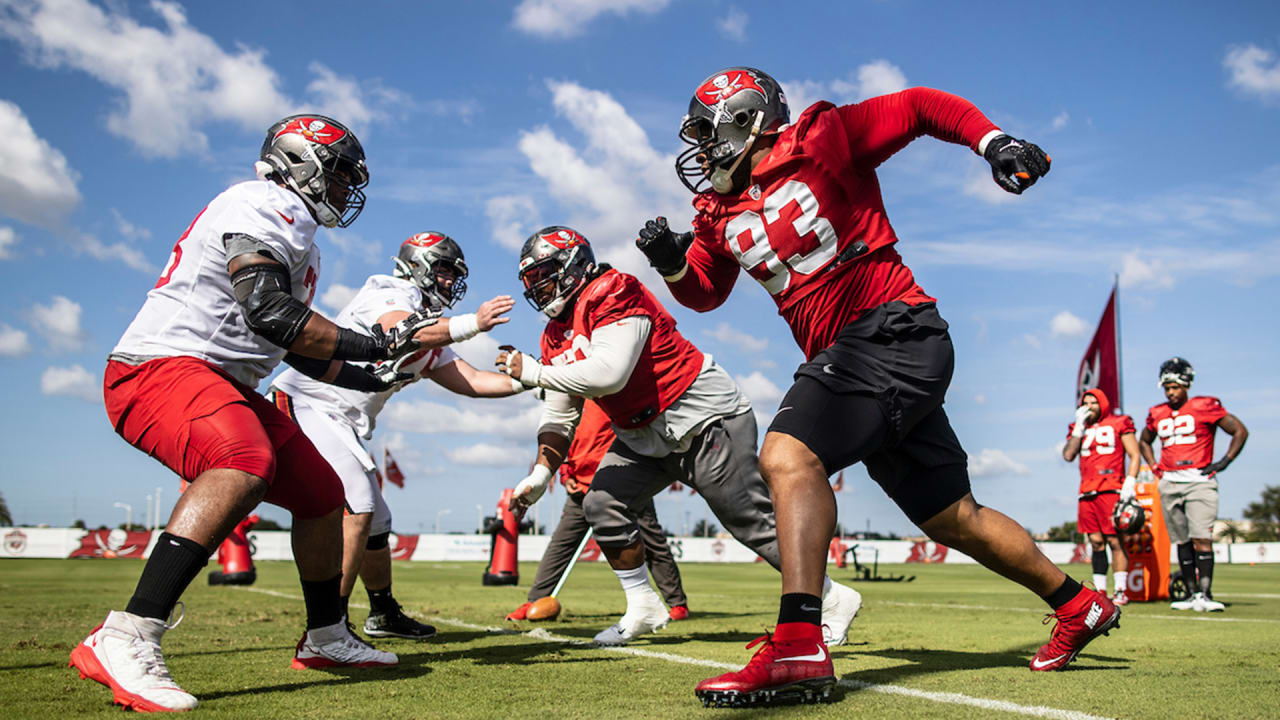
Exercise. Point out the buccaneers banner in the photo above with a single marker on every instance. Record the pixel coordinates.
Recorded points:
(113, 544)
(1100, 367)
(391, 469)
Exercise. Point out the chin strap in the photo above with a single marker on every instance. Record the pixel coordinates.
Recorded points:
(721, 179)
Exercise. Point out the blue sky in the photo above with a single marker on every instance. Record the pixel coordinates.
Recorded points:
(488, 120)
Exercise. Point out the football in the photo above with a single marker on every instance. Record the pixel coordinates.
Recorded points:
(547, 608)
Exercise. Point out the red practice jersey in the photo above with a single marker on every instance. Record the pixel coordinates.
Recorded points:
(1186, 434)
(590, 441)
(812, 217)
(1102, 456)
(668, 365)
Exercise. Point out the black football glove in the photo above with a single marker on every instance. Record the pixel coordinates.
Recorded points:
(1015, 164)
(664, 248)
(1213, 468)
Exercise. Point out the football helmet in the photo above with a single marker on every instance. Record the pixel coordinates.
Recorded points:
(1128, 516)
(1177, 370)
(729, 110)
(322, 161)
(554, 265)
(422, 260)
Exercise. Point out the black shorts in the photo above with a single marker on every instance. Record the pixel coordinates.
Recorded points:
(875, 396)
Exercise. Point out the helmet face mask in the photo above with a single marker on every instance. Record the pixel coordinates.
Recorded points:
(434, 262)
(554, 265)
(323, 162)
(729, 110)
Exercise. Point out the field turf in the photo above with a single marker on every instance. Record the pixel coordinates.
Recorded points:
(954, 643)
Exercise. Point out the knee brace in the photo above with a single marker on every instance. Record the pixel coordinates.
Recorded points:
(378, 542)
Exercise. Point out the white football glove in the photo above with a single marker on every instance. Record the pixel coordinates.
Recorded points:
(1082, 416)
(400, 339)
(529, 490)
(1130, 489)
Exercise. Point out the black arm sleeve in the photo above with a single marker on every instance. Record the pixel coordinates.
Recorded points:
(267, 302)
(352, 377)
(313, 368)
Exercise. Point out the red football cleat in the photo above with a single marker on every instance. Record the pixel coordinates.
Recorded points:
(679, 612)
(520, 613)
(793, 665)
(1085, 617)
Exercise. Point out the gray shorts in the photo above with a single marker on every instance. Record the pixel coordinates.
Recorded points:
(1190, 508)
(722, 464)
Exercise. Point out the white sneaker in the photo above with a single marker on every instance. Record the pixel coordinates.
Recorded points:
(840, 605)
(642, 616)
(335, 646)
(1188, 604)
(123, 653)
(1209, 605)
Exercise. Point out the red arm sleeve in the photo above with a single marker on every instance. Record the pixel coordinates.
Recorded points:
(881, 126)
(709, 276)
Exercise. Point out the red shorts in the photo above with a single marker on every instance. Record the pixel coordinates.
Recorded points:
(1094, 515)
(193, 417)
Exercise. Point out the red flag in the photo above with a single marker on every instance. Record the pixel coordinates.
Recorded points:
(1100, 367)
(391, 469)
(838, 485)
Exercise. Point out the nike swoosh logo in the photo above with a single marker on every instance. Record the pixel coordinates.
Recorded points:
(1039, 664)
(818, 656)
(286, 217)
(809, 608)
(827, 369)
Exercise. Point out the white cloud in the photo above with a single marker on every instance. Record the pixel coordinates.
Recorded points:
(13, 342)
(878, 77)
(980, 399)
(359, 102)
(1064, 324)
(1060, 121)
(336, 296)
(128, 229)
(1253, 70)
(488, 455)
(119, 251)
(425, 416)
(978, 184)
(992, 463)
(72, 381)
(355, 245)
(743, 342)
(59, 323)
(567, 18)
(8, 238)
(480, 350)
(513, 218)
(1031, 340)
(733, 24)
(36, 184)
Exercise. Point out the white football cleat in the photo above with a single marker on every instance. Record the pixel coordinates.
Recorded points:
(1204, 604)
(840, 605)
(123, 653)
(335, 646)
(642, 616)
(1188, 604)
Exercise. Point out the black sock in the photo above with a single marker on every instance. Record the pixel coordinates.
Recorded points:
(380, 601)
(1069, 589)
(1187, 561)
(1100, 562)
(1204, 567)
(799, 607)
(324, 604)
(173, 564)
(346, 606)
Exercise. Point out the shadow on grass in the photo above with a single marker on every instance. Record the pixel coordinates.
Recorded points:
(927, 661)
(331, 676)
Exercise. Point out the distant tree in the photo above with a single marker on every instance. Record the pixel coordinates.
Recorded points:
(268, 524)
(1065, 532)
(1265, 516)
(6, 519)
(1231, 532)
(702, 528)
(78, 524)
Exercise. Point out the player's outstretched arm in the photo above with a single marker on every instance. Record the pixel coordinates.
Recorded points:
(615, 350)
(460, 377)
(1239, 434)
(1015, 164)
(457, 328)
(344, 374)
(698, 279)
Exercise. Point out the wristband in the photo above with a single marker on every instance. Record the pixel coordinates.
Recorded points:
(352, 345)
(986, 140)
(463, 327)
(540, 474)
(530, 371)
(517, 387)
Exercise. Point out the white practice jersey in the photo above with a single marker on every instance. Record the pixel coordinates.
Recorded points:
(380, 295)
(192, 310)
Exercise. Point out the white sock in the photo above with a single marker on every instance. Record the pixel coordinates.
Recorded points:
(826, 585)
(1100, 583)
(1122, 581)
(635, 583)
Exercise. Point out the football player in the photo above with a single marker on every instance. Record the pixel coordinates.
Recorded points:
(591, 439)
(1188, 474)
(1103, 442)
(430, 275)
(677, 415)
(231, 303)
(798, 207)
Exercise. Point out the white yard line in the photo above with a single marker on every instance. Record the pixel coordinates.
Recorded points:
(1196, 617)
(940, 697)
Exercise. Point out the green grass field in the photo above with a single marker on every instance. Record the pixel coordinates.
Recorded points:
(954, 643)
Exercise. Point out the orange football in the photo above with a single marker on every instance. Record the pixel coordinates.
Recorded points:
(547, 608)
